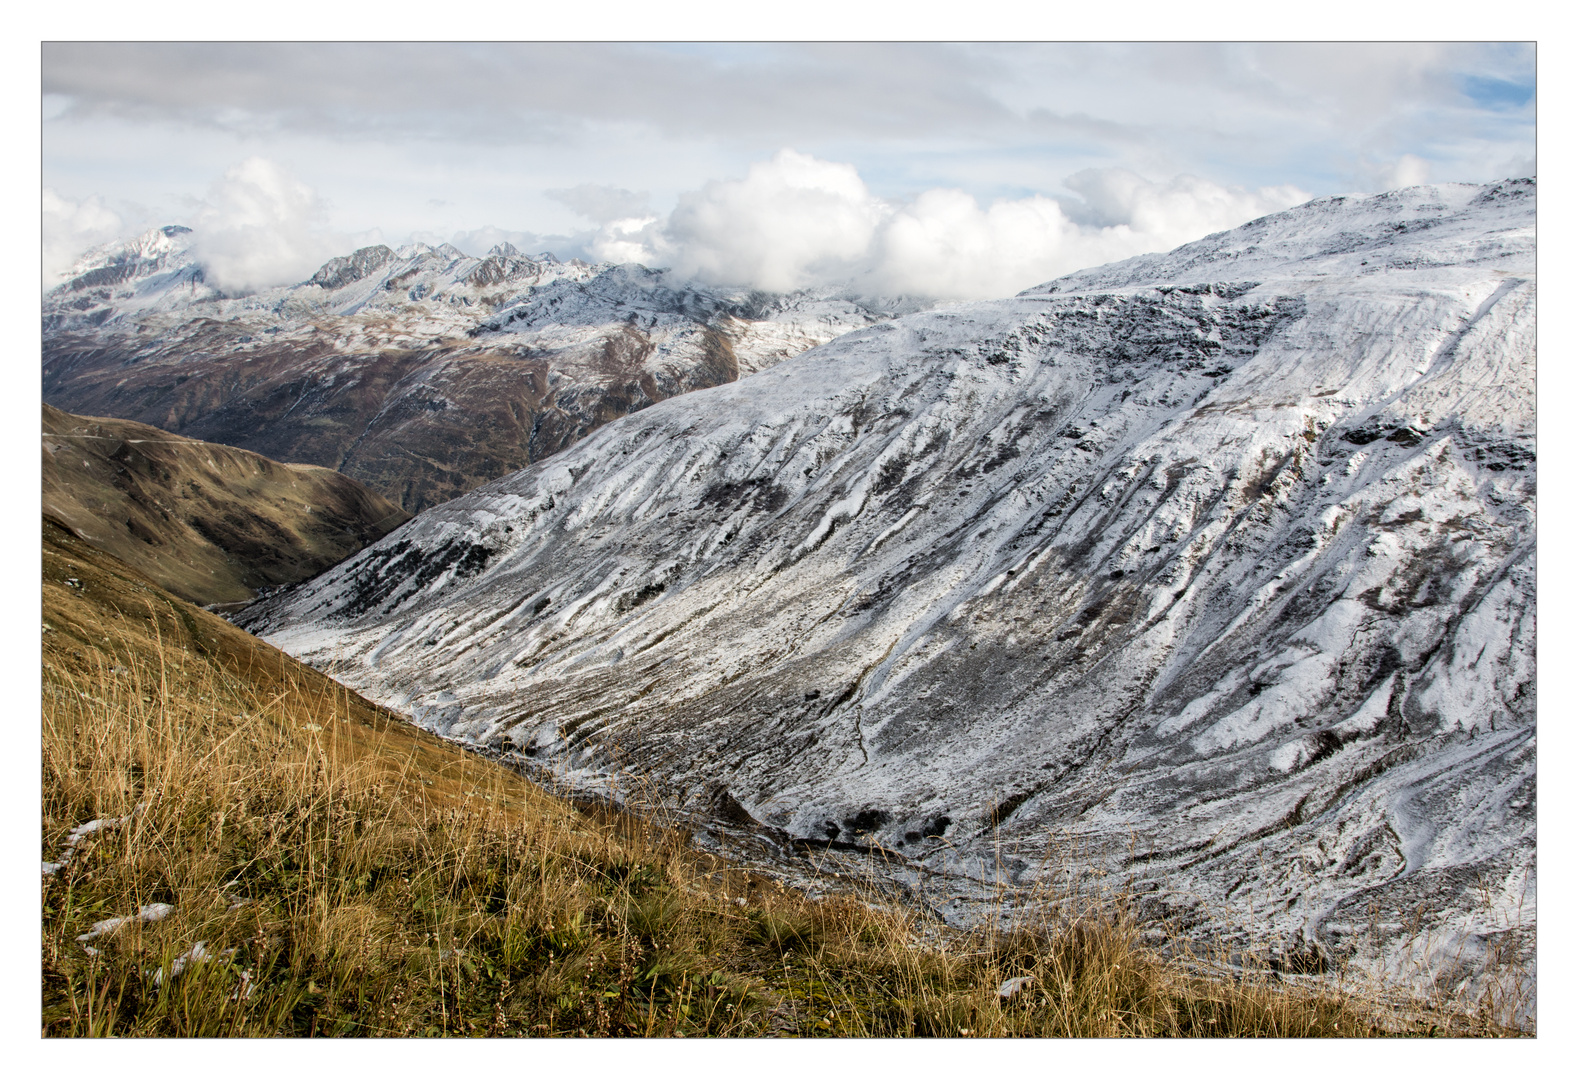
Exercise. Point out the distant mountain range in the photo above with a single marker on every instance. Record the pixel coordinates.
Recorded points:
(212, 524)
(421, 372)
(1215, 569)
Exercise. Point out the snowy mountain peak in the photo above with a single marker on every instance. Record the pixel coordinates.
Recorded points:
(125, 260)
(1444, 225)
(342, 270)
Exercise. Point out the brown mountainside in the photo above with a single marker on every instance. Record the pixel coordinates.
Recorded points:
(419, 426)
(423, 373)
(210, 523)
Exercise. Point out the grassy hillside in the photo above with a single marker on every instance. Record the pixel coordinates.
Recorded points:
(210, 523)
(326, 869)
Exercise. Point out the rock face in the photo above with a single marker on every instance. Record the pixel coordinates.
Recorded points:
(1215, 568)
(210, 523)
(421, 372)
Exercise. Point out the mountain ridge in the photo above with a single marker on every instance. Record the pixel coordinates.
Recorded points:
(212, 524)
(1224, 580)
(421, 371)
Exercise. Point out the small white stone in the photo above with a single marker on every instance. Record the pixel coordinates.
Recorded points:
(1012, 986)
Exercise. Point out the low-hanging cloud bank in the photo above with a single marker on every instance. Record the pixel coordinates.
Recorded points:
(258, 227)
(794, 221)
(71, 228)
(797, 221)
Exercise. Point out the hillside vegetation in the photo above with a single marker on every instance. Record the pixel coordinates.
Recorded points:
(210, 523)
(305, 863)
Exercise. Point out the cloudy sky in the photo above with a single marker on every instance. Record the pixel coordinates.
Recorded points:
(946, 170)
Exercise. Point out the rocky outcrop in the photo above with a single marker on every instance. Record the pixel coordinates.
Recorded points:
(340, 272)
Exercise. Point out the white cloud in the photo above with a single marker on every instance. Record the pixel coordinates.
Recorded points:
(1406, 171)
(257, 228)
(792, 221)
(1182, 209)
(71, 228)
(261, 227)
(796, 221)
(384, 128)
(943, 244)
(626, 240)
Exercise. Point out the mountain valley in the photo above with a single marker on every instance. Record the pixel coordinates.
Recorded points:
(1212, 569)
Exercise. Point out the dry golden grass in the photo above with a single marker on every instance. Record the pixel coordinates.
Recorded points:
(349, 875)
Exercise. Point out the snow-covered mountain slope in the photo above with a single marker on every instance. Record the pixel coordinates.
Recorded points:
(422, 372)
(134, 273)
(1215, 568)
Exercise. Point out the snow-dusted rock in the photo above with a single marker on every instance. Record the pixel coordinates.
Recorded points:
(1215, 568)
(421, 371)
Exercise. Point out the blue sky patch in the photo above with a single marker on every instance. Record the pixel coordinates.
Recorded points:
(1496, 93)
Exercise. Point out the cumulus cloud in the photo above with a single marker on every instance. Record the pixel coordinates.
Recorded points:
(624, 219)
(792, 221)
(796, 221)
(1177, 211)
(260, 227)
(71, 228)
(945, 245)
(626, 240)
